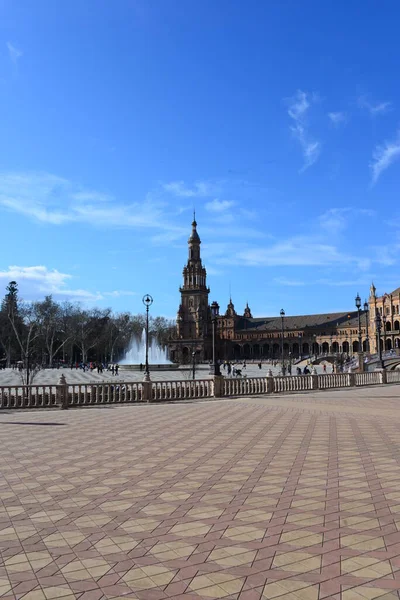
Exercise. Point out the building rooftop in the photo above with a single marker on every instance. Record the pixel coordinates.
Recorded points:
(330, 320)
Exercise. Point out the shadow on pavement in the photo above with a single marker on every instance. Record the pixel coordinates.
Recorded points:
(23, 423)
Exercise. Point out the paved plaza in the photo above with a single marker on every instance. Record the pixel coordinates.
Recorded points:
(75, 376)
(292, 497)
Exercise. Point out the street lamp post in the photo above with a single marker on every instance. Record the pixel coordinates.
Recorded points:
(147, 301)
(214, 316)
(194, 364)
(358, 306)
(300, 348)
(282, 314)
(366, 310)
(378, 325)
(384, 332)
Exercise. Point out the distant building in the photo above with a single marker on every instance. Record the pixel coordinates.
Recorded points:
(388, 307)
(240, 337)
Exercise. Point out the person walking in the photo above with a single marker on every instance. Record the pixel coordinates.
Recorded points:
(116, 369)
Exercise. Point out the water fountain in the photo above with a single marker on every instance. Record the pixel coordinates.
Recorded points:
(136, 355)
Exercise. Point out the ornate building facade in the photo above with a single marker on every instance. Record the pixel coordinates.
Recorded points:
(241, 336)
(387, 306)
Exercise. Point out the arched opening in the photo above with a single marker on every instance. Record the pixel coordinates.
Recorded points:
(236, 351)
(345, 347)
(396, 326)
(364, 345)
(295, 350)
(315, 348)
(185, 355)
(246, 351)
(306, 348)
(285, 349)
(397, 343)
(276, 350)
(256, 351)
(388, 344)
(265, 350)
(356, 346)
(388, 326)
(325, 347)
(335, 347)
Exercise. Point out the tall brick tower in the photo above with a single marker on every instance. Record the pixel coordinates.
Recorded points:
(192, 322)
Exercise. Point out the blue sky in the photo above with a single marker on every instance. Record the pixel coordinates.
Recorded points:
(279, 121)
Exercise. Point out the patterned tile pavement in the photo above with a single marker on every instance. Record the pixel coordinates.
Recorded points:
(290, 497)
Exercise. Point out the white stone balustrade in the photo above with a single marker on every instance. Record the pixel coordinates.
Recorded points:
(64, 395)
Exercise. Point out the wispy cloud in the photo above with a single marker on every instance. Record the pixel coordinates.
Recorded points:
(35, 281)
(289, 282)
(50, 199)
(13, 52)
(374, 109)
(296, 251)
(335, 220)
(337, 118)
(219, 206)
(39, 279)
(384, 156)
(298, 108)
(119, 293)
(197, 190)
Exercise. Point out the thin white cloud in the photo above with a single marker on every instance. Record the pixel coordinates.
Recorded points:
(219, 206)
(289, 282)
(300, 251)
(119, 293)
(36, 281)
(374, 109)
(335, 220)
(337, 118)
(54, 200)
(384, 156)
(298, 108)
(197, 190)
(13, 52)
(39, 279)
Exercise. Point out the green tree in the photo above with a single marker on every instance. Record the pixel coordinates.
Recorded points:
(11, 324)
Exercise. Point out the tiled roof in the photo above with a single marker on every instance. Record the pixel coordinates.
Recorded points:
(328, 320)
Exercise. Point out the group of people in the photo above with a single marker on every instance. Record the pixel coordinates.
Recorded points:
(232, 369)
(91, 366)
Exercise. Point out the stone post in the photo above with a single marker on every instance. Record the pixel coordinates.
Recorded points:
(383, 376)
(62, 393)
(361, 364)
(147, 390)
(352, 379)
(218, 386)
(270, 382)
(314, 379)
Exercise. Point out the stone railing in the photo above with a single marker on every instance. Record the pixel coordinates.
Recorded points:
(30, 396)
(295, 383)
(371, 378)
(245, 386)
(392, 376)
(66, 396)
(179, 390)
